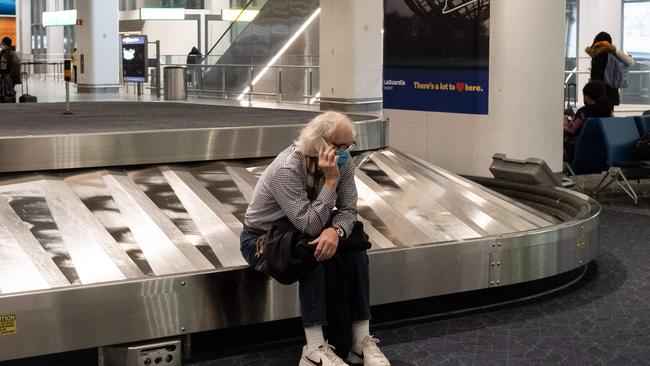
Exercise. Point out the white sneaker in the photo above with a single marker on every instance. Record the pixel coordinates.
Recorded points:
(321, 356)
(370, 355)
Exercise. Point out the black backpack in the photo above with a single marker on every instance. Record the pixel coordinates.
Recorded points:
(14, 70)
(643, 147)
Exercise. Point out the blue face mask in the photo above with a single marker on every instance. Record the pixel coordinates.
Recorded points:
(343, 158)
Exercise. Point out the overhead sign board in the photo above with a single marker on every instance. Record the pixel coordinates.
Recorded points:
(59, 18)
(134, 58)
(162, 13)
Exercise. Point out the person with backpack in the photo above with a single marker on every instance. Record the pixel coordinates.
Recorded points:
(9, 71)
(194, 72)
(604, 57)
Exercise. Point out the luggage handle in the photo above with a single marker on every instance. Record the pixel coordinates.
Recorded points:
(24, 78)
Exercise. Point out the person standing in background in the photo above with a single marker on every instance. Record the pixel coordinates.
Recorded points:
(75, 61)
(194, 58)
(598, 51)
(9, 71)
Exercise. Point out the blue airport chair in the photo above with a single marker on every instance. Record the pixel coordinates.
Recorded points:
(589, 156)
(642, 124)
(620, 136)
(590, 152)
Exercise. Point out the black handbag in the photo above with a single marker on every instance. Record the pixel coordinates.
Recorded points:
(284, 253)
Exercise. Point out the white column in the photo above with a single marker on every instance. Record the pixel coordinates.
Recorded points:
(24, 27)
(351, 54)
(98, 46)
(525, 91)
(595, 16)
(54, 34)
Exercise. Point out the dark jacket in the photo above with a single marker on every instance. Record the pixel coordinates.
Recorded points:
(9, 75)
(285, 255)
(194, 57)
(598, 53)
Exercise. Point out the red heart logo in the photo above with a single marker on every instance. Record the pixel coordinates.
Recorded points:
(460, 87)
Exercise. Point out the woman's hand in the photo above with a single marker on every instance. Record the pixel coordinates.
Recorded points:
(326, 244)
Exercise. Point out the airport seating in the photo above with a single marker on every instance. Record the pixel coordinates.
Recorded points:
(589, 155)
(642, 124)
(620, 136)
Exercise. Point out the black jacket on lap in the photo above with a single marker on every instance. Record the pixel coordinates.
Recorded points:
(286, 255)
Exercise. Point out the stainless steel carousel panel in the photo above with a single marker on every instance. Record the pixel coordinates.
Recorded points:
(141, 253)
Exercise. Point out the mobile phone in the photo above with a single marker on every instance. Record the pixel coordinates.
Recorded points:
(319, 144)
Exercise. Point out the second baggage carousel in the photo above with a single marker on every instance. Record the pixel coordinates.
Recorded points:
(101, 253)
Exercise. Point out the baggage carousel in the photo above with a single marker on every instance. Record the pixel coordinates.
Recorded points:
(120, 223)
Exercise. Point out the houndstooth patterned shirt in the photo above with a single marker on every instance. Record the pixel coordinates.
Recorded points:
(281, 191)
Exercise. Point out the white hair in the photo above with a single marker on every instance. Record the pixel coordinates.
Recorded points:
(324, 125)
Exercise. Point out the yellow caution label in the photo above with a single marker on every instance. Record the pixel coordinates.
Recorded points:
(581, 240)
(7, 324)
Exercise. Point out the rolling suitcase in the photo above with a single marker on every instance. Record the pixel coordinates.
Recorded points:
(26, 98)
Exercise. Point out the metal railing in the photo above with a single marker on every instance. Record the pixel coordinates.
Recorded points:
(43, 66)
(638, 93)
(278, 83)
(296, 60)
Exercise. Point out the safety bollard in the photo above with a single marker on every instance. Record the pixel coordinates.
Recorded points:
(67, 76)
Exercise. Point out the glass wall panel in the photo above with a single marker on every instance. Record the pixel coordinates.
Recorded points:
(39, 35)
(570, 45)
(636, 42)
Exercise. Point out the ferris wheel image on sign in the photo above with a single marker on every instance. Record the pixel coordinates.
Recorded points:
(436, 55)
(466, 8)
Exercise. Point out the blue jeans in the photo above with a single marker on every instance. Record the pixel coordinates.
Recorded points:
(312, 290)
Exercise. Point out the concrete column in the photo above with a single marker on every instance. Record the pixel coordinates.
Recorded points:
(526, 97)
(54, 34)
(595, 16)
(98, 46)
(351, 54)
(24, 27)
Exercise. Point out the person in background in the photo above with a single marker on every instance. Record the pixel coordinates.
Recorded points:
(311, 183)
(75, 62)
(194, 72)
(9, 71)
(596, 105)
(598, 51)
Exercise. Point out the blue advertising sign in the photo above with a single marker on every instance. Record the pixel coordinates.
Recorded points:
(436, 55)
(436, 90)
(7, 7)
